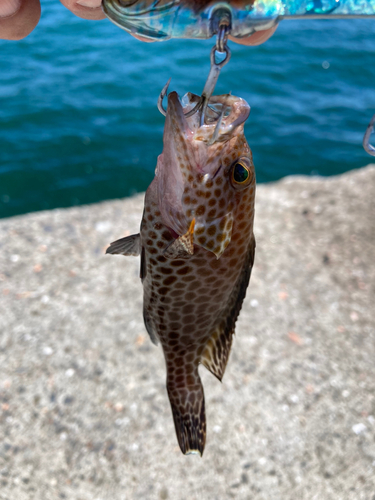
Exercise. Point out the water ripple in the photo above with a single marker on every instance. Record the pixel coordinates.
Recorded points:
(78, 121)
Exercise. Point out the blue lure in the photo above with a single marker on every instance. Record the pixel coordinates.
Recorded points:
(160, 20)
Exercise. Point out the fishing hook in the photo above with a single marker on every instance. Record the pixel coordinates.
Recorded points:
(213, 75)
(212, 78)
(215, 135)
(163, 93)
(369, 148)
(222, 36)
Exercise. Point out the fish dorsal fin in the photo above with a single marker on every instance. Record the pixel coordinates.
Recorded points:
(130, 245)
(183, 246)
(216, 352)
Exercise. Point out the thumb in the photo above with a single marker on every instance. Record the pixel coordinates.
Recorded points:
(18, 18)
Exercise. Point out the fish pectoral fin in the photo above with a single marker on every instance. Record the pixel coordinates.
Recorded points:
(130, 245)
(216, 352)
(222, 229)
(183, 246)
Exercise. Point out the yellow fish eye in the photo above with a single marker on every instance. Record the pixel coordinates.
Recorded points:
(241, 174)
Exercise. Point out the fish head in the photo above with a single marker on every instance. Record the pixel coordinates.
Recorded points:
(205, 170)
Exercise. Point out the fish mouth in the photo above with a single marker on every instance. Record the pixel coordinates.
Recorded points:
(224, 114)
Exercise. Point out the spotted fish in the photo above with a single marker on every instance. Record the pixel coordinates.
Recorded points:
(197, 249)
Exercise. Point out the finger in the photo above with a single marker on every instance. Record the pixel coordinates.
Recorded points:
(18, 18)
(256, 38)
(87, 9)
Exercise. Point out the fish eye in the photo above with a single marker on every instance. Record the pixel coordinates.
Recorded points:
(241, 174)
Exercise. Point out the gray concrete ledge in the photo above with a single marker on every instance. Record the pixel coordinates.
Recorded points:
(84, 412)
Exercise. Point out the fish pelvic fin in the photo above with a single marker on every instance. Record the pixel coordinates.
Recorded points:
(130, 245)
(188, 409)
(216, 352)
(183, 246)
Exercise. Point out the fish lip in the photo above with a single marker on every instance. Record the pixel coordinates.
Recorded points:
(176, 111)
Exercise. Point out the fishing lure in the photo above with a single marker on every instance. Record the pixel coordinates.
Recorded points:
(160, 20)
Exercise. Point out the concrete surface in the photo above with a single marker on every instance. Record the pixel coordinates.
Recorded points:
(84, 412)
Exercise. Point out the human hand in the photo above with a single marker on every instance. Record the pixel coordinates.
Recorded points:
(19, 17)
(256, 38)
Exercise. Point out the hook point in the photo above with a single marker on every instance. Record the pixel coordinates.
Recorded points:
(163, 93)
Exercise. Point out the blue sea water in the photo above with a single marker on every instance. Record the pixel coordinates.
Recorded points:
(78, 116)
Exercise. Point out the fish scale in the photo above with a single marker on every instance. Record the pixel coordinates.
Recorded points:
(197, 249)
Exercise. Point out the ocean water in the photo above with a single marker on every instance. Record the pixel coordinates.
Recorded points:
(78, 116)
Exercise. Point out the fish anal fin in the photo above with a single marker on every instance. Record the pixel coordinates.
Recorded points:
(183, 246)
(216, 352)
(130, 245)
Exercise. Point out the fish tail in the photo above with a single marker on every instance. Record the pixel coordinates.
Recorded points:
(187, 403)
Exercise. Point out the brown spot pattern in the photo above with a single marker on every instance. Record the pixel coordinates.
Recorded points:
(185, 299)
